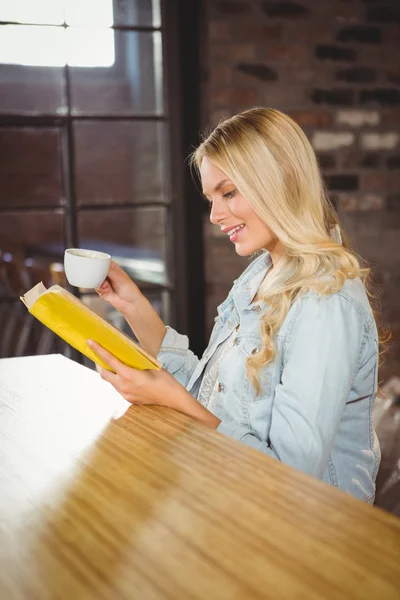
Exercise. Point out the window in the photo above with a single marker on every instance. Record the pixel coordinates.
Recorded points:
(84, 147)
(51, 34)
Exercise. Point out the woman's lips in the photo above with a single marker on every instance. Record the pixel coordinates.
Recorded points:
(235, 236)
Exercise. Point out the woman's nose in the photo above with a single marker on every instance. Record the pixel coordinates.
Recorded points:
(217, 212)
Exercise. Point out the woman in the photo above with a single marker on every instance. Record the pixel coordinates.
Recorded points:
(291, 366)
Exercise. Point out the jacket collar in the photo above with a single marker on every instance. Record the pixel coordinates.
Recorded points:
(246, 286)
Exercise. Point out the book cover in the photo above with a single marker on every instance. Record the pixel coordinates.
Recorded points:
(75, 323)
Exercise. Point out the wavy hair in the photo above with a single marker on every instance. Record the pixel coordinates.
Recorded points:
(270, 160)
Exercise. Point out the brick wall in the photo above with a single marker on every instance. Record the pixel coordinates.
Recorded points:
(334, 65)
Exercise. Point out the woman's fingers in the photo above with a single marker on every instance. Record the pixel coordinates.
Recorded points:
(116, 365)
(111, 377)
(115, 273)
(104, 287)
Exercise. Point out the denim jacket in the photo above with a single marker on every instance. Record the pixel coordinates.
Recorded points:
(314, 410)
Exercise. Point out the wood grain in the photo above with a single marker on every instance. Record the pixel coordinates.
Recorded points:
(153, 506)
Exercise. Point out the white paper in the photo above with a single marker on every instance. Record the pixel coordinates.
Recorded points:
(65, 382)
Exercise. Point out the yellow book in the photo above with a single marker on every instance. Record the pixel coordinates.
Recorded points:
(75, 323)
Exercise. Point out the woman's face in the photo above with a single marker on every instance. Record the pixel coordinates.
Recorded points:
(233, 213)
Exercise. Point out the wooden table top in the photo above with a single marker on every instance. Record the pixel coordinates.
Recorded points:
(153, 506)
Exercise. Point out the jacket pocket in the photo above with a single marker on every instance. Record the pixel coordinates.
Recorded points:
(248, 346)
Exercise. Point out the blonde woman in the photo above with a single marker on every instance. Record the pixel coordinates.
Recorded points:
(291, 366)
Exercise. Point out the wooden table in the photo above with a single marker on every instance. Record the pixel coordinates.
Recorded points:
(151, 506)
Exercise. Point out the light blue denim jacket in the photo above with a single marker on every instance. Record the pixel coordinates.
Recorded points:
(314, 411)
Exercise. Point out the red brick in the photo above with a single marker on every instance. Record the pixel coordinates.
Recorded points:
(345, 13)
(231, 9)
(220, 75)
(311, 118)
(243, 97)
(372, 202)
(219, 98)
(257, 32)
(393, 181)
(219, 30)
(222, 264)
(218, 114)
(393, 76)
(285, 98)
(389, 55)
(374, 182)
(390, 117)
(286, 10)
(308, 33)
(233, 52)
(238, 98)
(298, 74)
(360, 159)
(284, 52)
(392, 34)
(348, 202)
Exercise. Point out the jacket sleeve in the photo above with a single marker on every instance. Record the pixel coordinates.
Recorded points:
(320, 363)
(176, 357)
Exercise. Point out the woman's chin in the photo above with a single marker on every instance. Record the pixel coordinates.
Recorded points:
(244, 250)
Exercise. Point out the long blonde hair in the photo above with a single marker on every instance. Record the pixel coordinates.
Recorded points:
(270, 160)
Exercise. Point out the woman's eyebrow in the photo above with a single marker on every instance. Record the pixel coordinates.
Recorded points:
(218, 186)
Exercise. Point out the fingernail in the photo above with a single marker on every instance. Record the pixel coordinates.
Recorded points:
(89, 343)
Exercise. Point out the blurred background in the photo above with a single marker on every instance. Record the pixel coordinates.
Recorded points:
(101, 101)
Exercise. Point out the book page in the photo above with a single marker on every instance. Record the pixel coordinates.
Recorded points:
(30, 297)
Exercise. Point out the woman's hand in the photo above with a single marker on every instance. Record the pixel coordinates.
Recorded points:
(119, 289)
(124, 295)
(153, 387)
(139, 387)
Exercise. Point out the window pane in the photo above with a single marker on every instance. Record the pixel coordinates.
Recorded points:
(31, 90)
(137, 12)
(25, 232)
(90, 47)
(34, 46)
(120, 162)
(30, 167)
(26, 242)
(91, 13)
(134, 238)
(132, 84)
(117, 72)
(45, 12)
(103, 13)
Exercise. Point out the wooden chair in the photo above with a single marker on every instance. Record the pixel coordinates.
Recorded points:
(21, 333)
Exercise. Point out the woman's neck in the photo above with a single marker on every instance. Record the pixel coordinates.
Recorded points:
(276, 251)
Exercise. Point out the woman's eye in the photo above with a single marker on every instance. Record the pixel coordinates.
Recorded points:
(229, 195)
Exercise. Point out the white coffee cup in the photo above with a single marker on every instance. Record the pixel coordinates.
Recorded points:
(86, 268)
